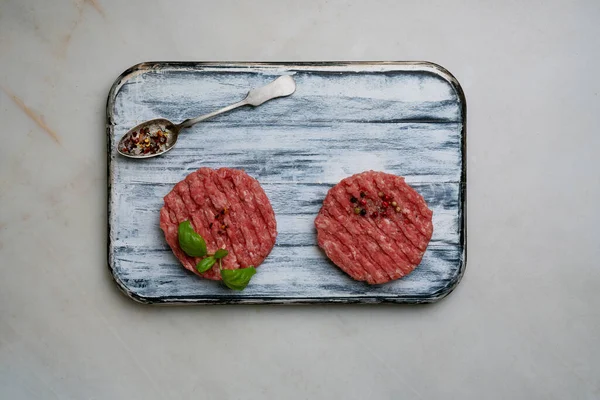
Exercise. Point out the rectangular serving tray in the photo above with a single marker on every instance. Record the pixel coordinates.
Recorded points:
(405, 118)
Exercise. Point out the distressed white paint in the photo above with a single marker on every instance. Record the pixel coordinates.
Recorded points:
(342, 120)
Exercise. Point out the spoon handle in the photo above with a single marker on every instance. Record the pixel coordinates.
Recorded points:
(189, 122)
(280, 87)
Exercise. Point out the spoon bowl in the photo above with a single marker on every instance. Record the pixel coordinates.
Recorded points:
(170, 130)
(157, 136)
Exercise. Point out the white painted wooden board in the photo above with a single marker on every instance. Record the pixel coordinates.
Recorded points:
(403, 118)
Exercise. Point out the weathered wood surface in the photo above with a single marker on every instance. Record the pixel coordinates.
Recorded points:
(404, 119)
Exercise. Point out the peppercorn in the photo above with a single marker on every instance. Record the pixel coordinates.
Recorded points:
(357, 210)
(398, 209)
(394, 203)
(362, 194)
(363, 212)
(380, 194)
(353, 199)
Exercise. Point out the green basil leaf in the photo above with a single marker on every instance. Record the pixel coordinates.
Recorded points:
(206, 264)
(190, 242)
(237, 279)
(221, 253)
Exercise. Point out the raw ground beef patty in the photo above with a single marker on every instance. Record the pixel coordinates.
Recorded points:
(374, 226)
(229, 209)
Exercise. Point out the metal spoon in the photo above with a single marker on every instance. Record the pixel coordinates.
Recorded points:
(280, 87)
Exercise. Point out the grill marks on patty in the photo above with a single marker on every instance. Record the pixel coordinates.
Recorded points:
(372, 247)
(221, 206)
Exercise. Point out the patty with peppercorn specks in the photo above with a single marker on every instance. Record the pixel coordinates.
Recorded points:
(374, 227)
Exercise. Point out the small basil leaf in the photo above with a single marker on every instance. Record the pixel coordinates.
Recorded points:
(206, 264)
(220, 253)
(237, 279)
(190, 242)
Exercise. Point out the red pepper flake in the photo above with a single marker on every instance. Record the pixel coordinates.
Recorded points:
(363, 202)
(386, 198)
(374, 215)
(384, 204)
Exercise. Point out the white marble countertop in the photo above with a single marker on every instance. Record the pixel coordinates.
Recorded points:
(523, 324)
